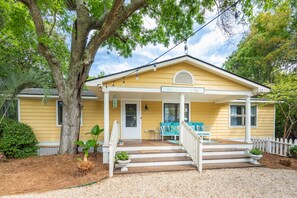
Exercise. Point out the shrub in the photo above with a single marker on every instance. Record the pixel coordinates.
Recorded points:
(17, 140)
(293, 151)
(256, 151)
(122, 156)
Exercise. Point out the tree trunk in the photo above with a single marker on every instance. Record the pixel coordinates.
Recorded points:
(71, 123)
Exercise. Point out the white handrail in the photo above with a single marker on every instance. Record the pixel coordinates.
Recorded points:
(193, 145)
(113, 142)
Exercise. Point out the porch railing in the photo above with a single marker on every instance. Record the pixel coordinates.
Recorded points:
(113, 142)
(193, 145)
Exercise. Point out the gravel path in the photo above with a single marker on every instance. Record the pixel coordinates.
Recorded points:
(250, 182)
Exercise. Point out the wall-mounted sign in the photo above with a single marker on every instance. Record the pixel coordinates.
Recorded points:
(200, 90)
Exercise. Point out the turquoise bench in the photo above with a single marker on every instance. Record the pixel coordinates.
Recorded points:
(172, 129)
(169, 129)
(199, 128)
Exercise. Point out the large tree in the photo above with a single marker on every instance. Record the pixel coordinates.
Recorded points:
(87, 25)
(270, 46)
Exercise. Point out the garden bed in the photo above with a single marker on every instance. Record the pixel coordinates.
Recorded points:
(38, 174)
(278, 162)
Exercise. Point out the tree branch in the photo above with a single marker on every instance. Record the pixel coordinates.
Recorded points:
(43, 48)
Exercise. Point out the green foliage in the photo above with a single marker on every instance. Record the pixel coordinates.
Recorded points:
(86, 147)
(256, 151)
(122, 156)
(269, 47)
(285, 92)
(293, 151)
(17, 140)
(95, 132)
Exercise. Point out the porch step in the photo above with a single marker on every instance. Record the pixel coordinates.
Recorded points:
(230, 165)
(215, 157)
(158, 155)
(157, 151)
(148, 169)
(150, 148)
(227, 146)
(162, 163)
(158, 159)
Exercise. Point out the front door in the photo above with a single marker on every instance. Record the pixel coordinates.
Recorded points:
(131, 120)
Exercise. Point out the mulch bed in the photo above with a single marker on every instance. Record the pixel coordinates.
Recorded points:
(278, 162)
(44, 173)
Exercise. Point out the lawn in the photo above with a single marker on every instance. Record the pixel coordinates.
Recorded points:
(45, 173)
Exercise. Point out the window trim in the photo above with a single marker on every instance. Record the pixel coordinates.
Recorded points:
(174, 102)
(57, 121)
(242, 126)
(181, 71)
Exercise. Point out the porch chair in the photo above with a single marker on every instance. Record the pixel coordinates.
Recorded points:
(169, 129)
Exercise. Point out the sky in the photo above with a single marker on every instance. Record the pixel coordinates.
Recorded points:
(210, 45)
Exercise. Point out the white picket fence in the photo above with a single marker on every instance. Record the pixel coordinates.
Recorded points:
(278, 146)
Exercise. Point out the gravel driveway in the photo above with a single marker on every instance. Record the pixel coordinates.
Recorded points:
(250, 182)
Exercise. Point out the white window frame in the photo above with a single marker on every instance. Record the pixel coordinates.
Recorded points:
(57, 121)
(175, 101)
(242, 126)
(182, 71)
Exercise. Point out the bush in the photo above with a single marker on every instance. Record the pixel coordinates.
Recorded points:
(293, 151)
(17, 140)
(256, 151)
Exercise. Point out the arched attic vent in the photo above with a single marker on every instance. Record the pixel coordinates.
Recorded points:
(183, 77)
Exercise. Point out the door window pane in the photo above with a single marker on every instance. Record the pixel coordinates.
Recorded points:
(131, 115)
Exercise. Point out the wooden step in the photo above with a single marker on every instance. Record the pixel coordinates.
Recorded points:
(229, 165)
(149, 169)
(222, 149)
(156, 151)
(214, 157)
(158, 159)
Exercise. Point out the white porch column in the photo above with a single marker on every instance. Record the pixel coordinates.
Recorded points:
(181, 116)
(106, 127)
(248, 119)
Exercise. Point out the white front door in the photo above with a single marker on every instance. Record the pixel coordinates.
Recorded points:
(131, 120)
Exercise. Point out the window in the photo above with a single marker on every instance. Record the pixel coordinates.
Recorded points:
(171, 112)
(237, 115)
(60, 114)
(10, 109)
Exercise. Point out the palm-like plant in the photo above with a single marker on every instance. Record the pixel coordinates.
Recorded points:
(12, 84)
(95, 132)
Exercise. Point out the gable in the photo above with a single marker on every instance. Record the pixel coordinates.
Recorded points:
(165, 77)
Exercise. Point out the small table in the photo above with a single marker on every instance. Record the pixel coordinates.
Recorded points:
(154, 133)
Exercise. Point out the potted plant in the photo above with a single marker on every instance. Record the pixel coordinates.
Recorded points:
(256, 154)
(293, 151)
(123, 159)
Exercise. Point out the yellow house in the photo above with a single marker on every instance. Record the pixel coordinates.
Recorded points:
(183, 88)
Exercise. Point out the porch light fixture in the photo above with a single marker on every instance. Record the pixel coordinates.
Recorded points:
(146, 107)
(155, 67)
(124, 81)
(113, 83)
(137, 75)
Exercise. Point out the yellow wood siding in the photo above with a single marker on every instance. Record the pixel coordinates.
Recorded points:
(216, 116)
(151, 118)
(164, 77)
(42, 117)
